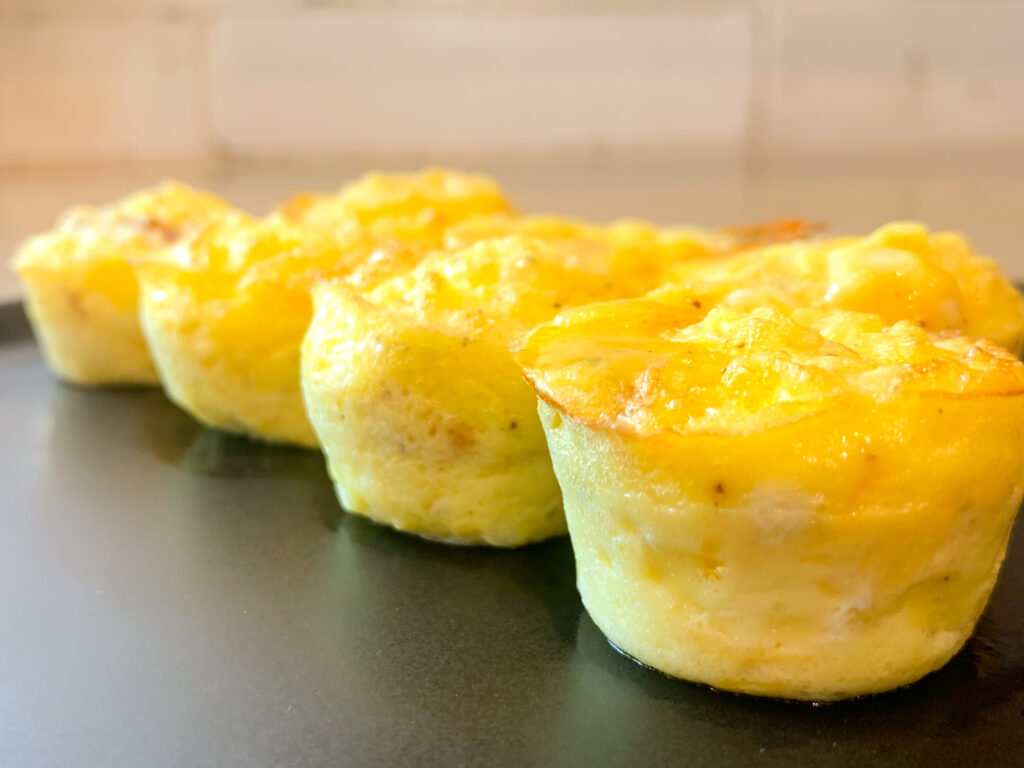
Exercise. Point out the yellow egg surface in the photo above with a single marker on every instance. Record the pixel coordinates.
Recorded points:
(80, 288)
(636, 255)
(899, 272)
(416, 208)
(806, 504)
(225, 321)
(425, 420)
(226, 317)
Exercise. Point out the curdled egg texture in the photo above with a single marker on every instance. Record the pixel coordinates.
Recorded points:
(416, 208)
(901, 271)
(636, 255)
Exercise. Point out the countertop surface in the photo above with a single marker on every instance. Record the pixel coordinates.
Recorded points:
(978, 192)
(173, 596)
(180, 597)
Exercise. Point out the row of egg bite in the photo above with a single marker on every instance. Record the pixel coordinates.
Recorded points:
(389, 324)
(425, 281)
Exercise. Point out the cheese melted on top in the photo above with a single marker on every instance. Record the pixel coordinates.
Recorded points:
(378, 226)
(899, 272)
(146, 222)
(416, 208)
(645, 367)
(636, 255)
(496, 290)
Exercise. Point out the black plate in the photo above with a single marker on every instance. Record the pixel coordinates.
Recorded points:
(173, 596)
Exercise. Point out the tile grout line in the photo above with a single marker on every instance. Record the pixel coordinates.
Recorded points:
(204, 84)
(763, 31)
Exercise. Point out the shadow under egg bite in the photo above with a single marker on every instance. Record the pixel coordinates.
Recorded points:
(901, 271)
(424, 418)
(807, 504)
(81, 291)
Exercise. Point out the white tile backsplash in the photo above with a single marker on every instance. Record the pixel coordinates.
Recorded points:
(86, 89)
(895, 75)
(386, 82)
(116, 80)
(973, 85)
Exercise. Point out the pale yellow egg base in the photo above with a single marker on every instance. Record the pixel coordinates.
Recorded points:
(216, 376)
(427, 432)
(86, 337)
(848, 553)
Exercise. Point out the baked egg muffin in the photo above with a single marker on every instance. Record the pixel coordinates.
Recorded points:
(81, 292)
(424, 418)
(899, 272)
(425, 421)
(808, 504)
(226, 316)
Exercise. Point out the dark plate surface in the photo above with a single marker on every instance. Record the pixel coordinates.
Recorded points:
(171, 596)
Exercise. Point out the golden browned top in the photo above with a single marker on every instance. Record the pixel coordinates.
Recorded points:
(376, 227)
(233, 255)
(497, 289)
(416, 208)
(636, 255)
(644, 367)
(372, 229)
(135, 226)
(499, 275)
(899, 272)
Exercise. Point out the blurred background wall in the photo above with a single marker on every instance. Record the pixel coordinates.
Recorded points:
(712, 111)
(115, 80)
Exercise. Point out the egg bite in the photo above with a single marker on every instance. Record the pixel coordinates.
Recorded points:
(81, 292)
(225, 317)
(901, 271)
(425, 420)
(426, 424)
(806, 504)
